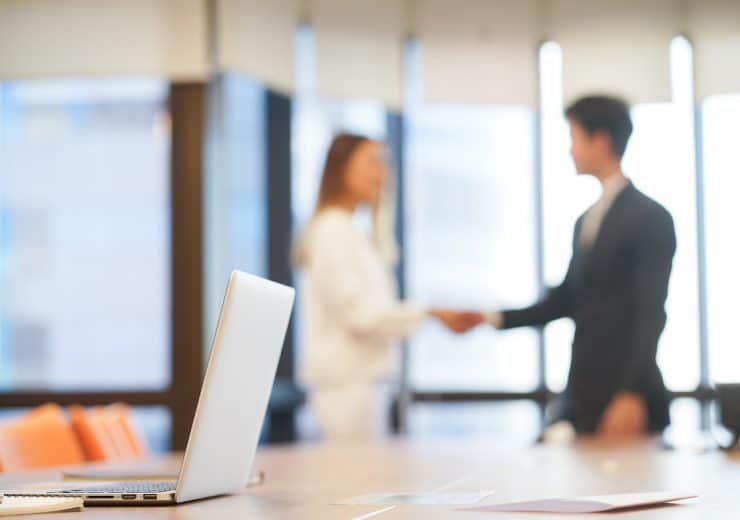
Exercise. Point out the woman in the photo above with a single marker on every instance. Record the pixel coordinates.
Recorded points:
(353, 314)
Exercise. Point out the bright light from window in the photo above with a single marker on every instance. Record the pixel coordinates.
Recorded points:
(660, 160)
(84, 235)
(565, 196)
(470, 239)
(721, 125)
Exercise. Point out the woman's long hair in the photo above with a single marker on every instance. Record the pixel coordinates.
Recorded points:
(331, 190)
(332, 180)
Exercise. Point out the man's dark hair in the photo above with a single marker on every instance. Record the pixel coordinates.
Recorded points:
(603, 114)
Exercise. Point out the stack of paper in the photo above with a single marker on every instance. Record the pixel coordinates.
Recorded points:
(32, 505)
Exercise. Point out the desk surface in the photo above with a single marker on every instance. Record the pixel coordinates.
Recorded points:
(302, 481)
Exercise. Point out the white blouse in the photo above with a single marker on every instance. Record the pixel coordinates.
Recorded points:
(352, 314)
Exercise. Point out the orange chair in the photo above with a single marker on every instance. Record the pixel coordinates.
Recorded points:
(92, 434)
(107, 433)
(42, 438)
(120, 416)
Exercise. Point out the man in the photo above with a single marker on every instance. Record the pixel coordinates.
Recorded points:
(615, 287)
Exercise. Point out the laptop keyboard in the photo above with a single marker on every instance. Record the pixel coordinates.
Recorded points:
(125, 487)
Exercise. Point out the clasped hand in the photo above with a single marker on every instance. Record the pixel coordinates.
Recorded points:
(458, 321)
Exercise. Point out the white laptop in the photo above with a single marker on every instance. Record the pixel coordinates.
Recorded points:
(231, 408)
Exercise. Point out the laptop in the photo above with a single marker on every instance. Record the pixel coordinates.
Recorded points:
(231, 407)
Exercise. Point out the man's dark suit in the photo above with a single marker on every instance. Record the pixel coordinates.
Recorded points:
(615, 292)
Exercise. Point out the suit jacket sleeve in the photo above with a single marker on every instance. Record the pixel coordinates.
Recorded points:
(654, 250)
(557, 303)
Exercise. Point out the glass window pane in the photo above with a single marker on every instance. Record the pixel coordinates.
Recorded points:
(684, 430)
(155, 425)
(721, 126)
(316, 120)
(514, 423)
(470, 241)
(469, 230)
(235, 188)
(660, 160)
(84, 235)
(565, 196)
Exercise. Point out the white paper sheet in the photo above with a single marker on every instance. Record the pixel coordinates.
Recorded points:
(589, 504)
(417, 498)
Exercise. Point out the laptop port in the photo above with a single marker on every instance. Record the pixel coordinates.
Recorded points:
(129, 497)
(100, 496)
(150, 496)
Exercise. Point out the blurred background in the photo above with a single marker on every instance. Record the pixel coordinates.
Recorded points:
(149, 147)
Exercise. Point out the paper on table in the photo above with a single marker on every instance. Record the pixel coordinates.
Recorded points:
(589, 504)
(417, 498)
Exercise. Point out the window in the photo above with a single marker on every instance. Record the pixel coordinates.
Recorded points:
(721, 127)
(84, 235)
(660, 160)
(565, 197)
(235, 188)
(470, 239)
(511, 423)
(315, 122)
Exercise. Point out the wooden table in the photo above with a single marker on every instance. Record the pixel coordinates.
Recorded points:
(302, 481)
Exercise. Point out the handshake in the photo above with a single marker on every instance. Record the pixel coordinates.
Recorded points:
(459, 321)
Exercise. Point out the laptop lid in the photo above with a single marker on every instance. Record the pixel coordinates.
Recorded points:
(236, 388)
